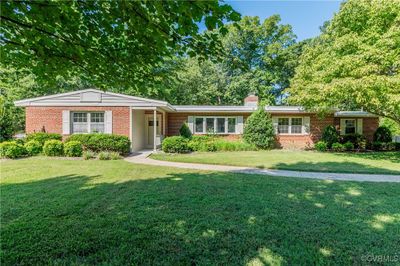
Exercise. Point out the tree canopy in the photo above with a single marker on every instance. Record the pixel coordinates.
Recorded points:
(258, 57)
(355, 63)
(114, 44)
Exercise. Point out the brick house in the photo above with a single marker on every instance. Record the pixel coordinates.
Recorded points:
(146, 122)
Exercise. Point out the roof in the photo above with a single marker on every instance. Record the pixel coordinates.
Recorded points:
(95, 97)
(354, 114)
(92, 97)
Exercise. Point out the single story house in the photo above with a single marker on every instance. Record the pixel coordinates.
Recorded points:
(146, 122)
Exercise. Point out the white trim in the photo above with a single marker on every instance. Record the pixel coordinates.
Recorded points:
(343, 124)
(212, 109)
(146, 128)
(353, 114)
(88, 121)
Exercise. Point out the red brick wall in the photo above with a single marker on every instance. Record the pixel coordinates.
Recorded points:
(370, 124)
(51, 118)
(317, 125)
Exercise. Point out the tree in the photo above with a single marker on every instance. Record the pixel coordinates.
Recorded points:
(114, 44)
(258, 58)
(355, 63)
(259, 129)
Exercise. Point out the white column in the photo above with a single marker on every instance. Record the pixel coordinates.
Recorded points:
(155, 130)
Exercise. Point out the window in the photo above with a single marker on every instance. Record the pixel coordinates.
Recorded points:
(79, 123)
(350, 126)
(96, 122)
(87, 122)
(231, 125)
(290, 125)
(297, 123)
(209, 125)
(218, 125)
(283, 125)
(199, 127)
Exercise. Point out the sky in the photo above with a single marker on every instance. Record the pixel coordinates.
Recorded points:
(305, 16)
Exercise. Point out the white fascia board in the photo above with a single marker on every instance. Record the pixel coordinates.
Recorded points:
(354, 114)
(213, 109)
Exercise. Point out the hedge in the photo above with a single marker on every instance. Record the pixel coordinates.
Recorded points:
(99, 142)
(12, 150)
(33, 147)
(53, 148)
(42, 137)
(175, 144)
(73, 149)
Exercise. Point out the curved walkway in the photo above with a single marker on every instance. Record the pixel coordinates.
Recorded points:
(143, 158)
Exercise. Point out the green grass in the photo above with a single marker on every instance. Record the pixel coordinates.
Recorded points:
(56, 211)
(365, 163)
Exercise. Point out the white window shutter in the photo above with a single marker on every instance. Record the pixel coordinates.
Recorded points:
(360, 126)
(191, 123)
(108, 122)
(342, 126)
(66, 123)
(306, 125)
(239, 125)
(275, 124)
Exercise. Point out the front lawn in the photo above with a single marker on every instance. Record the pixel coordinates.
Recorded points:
(371, 163)
(56, 211)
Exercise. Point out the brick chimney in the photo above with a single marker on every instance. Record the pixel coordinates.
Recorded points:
(251, 100)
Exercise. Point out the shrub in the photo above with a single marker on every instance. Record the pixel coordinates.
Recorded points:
(176, 144)
(53, 148)
(115, 155)
(397, 146)
(184, 131)
(87, 155)
(73, 149)
(391, 146)
(348, 146)
(105, 155)
(377, 145)
(259, 130)
(359, 141)
(321, 146)
(42, 137)
(337, 146)
(383, 134)
(98, 142)
(202, 143)
(330, 135)
(226, 145)
(33, 147)
(12, 150)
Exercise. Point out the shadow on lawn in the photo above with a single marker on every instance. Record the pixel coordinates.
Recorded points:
(335, 167)
(191, 218)
(392, 156)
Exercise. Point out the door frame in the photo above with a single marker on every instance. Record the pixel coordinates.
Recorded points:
(150, 117)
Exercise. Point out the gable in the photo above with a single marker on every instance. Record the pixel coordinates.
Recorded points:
(89, 97)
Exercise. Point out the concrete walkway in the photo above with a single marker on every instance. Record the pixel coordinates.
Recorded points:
(143, 158)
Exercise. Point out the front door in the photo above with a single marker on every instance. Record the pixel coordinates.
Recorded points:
(150, 129)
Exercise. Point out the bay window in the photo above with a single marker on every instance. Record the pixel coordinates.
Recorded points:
(88, 122)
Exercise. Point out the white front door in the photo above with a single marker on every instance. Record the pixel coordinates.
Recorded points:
(150, 129)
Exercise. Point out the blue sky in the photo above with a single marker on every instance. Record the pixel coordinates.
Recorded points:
(305, 16)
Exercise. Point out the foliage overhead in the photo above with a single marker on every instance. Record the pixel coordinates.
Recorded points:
(119, 43)
(259, 57)
(355, 63)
